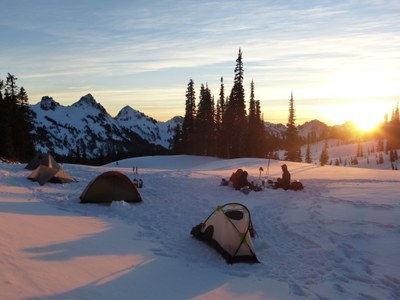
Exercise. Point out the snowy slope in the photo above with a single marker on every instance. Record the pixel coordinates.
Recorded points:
(159, 133)
(337, 239)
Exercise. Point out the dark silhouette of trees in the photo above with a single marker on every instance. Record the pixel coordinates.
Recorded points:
(205, 124)
(223, 129)
(256, 135)
(392, 130)
(16, 140)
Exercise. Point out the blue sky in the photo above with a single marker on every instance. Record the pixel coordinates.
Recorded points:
(334, 55)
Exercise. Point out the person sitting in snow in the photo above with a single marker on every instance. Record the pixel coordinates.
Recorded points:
(284, 181)
(238, 180)
(234, 179)
(243, 182)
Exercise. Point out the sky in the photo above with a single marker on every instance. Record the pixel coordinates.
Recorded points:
(339, 58)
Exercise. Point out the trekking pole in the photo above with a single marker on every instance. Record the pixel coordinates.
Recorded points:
(269, 160)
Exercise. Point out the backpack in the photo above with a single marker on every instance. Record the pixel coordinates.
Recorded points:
(296, 186)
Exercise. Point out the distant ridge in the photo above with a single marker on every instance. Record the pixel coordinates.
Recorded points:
(87, 130)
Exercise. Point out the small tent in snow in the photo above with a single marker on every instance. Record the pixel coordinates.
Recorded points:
(43, 174)
(227, 229)
(42, 159)
(110, 186)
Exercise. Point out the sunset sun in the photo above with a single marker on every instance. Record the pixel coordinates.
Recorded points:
(365, 121)
(365, 115)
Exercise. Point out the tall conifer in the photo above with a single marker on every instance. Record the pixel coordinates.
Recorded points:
(205, 123)
(253, 126)
(292, 140)
(188, 125)
(235, 123)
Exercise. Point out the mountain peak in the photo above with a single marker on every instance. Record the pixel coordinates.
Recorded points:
(48, 103)
(128, 113)
(89, 101)
(126, 110)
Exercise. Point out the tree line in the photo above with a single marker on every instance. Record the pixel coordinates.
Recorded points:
(226, 129)
(16, 121)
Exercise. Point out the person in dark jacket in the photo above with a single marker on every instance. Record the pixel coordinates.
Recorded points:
(242, 181)
(284, 181)
(234, 179)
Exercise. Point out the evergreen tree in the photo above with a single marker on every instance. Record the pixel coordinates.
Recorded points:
(16, 141)
(177, 140)
(188, 125)
(360, 152)
(235, 123)
(324, 157)
(220, 111)
(256, 132)
(23, 139)
(205, 124)
(220, 105)
(261, 143)
(293, 152)
(392, 130)
(308, 154)
(252, 125)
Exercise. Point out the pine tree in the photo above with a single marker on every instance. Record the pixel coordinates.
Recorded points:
(205, 125)
(188, 125)
(23, 137)
(235, 123)
(292, 139)
(324, 157)
(360, 152)
(308, 154)
(220, 140)
(252, 125)
(177, 140)
(220, 104)
(16, 141)
(261, 143)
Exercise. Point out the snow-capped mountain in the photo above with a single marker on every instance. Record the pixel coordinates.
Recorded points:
(85, 127)
(314, 128)
(159, 133)
(275, 129)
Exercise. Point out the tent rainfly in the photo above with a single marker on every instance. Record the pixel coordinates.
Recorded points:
(110, 186)
(43, 174)
(42, 159)
(227, 229)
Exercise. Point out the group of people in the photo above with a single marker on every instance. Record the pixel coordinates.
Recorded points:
(239, 180)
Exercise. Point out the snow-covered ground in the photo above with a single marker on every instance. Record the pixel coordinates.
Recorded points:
(339, 238)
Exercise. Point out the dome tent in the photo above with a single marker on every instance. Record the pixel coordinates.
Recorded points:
(110, 186)
(227, 230)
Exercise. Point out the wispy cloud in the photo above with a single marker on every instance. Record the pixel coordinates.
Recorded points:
(318, 49)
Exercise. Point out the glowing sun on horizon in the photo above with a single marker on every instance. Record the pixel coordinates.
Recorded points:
(365, 116)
